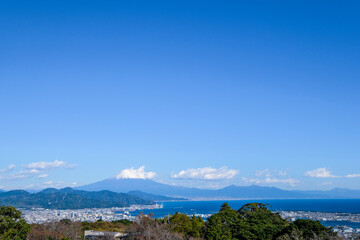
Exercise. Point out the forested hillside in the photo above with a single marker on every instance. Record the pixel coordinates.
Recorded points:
(69, 198)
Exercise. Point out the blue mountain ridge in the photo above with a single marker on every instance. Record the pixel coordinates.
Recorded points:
(229, 192)
(68, 198)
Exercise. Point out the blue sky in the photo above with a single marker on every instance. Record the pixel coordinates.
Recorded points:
(194, 93)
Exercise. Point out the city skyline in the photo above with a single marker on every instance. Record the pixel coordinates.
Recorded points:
(190, 93)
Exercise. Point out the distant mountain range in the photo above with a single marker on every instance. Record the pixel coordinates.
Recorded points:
(334, 193)
(69, 198)
(230, 192)
(125, 192)
(153, 197)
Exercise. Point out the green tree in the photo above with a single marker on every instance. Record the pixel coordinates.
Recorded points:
(12, 226)
(216, 230)
(256, 221)
(313, 229)
(220, 225)
(198, 227)
(180, 223)
(228, 216)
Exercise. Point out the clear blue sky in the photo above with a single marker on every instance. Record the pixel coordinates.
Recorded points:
(261, 92)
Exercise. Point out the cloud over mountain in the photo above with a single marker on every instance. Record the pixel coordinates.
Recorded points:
(268, 180)
(134, 173)
(207, 173)
(319, 173)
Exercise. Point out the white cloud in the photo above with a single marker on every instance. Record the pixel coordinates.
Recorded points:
(289, 181)
(20, 175)
(43, 175)
(319, 173)
(8, 169)
(32, 169)
(268, 173)
(251, 180)
(138, 173)
(49, 165)
(260, 173)
(207, 173)
(353, 175)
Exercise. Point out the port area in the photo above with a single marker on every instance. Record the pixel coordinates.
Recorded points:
(347, 225)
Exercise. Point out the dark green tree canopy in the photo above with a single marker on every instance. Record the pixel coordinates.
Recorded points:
(254, 221)
(12, 226)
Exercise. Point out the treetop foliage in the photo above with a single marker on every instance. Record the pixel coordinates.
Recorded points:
(256, 221)
(12, 227)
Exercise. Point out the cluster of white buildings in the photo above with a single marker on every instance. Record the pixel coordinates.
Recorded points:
(40, 215)
(347, 232)
(321, 216)
(341, 219)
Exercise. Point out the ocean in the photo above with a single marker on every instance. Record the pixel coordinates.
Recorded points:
(314, 205)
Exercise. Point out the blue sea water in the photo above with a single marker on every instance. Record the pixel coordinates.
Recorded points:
(210, 207)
